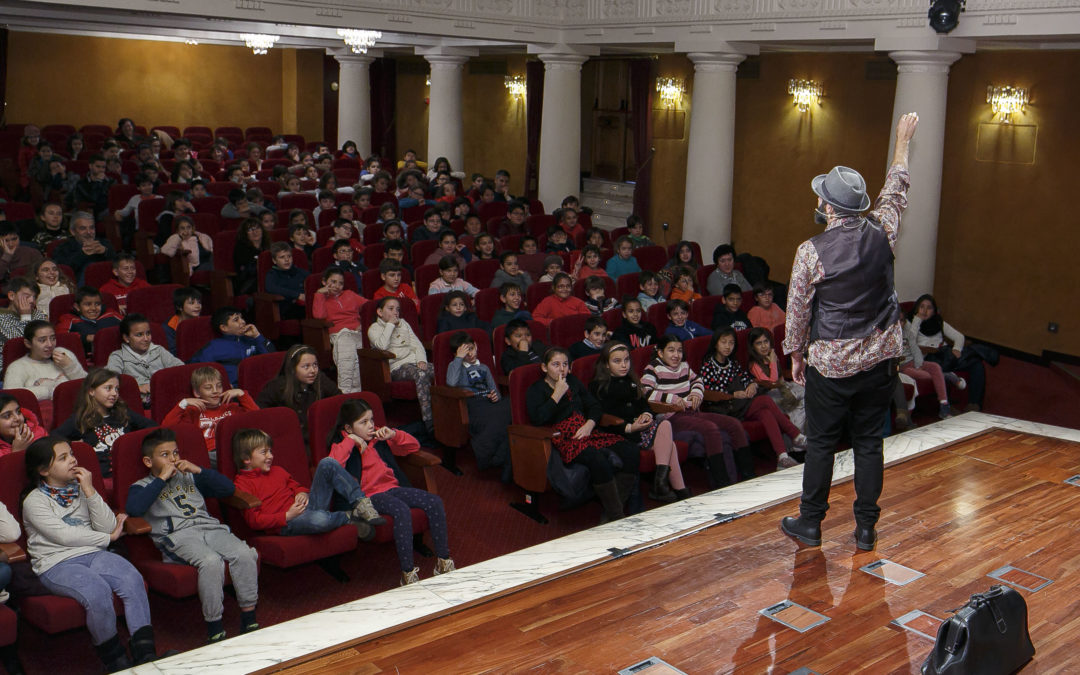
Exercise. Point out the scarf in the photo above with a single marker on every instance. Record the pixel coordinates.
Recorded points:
(64, 496)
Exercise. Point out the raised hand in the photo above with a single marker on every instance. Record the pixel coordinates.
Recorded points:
(23, 438)
(561, 387)
(188, 467)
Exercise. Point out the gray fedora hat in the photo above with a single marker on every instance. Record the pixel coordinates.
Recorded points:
(842, 188)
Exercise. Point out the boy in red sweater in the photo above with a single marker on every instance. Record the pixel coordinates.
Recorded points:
(209, 406)
(290, 508)
(124, 281)
(390, 272)
(341, 307)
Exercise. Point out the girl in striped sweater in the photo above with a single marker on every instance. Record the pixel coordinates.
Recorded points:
(669, 379)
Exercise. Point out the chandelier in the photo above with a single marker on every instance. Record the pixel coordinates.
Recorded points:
(259, 43)
(359, 41)
(1006, 100)
(671, 90)
(804, 93)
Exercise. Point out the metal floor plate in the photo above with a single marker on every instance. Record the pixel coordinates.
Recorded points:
(651, 666)
(894, 573)
(920, 623)
(794, 616)
(1014, 576)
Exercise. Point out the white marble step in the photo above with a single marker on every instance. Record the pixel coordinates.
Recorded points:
(606, 221)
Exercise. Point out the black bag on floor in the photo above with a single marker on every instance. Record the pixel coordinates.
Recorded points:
(987, 636)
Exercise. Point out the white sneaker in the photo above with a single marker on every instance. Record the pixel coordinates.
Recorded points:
(410, 577)
(442, 566)
(799, 442)
(785, 461)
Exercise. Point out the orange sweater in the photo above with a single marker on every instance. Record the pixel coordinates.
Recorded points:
(552, 307)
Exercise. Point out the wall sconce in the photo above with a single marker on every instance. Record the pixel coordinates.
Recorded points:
(515, 84)
(427, 81)
(671, 91)
(359, 41)
(259, 43)
(804, 93)
(1006, 100)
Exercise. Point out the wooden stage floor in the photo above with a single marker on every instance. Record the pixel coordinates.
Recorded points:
(955, 514)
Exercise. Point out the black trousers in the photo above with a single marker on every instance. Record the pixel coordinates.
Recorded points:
(860, 404)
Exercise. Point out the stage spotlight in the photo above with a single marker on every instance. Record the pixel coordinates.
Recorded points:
(945, 14)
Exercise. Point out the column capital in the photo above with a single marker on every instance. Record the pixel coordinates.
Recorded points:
(562, 61)
(715, 62)
(449, 61)
(924, 61)
(347, 60)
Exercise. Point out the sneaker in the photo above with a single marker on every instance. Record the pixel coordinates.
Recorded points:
(961, 383)
(363, 510)
(364, 530)
(786, 461)
(944, 411)
(410, 577)
(442, 566)
(216, 637)
(903, 422)
(799, 441)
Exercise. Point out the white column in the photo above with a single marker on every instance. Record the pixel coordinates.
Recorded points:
(354, 101)
(922, 84)
(444, 110)
(560, 128)
(710, 160)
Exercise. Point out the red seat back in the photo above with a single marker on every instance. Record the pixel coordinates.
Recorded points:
(627, 285)
(702, 310)
(323, 413)
(539, 224)
(128, 466)
(651, 258)
(521, 379)
(155, 303)
(169, 385)
(430, 308)
(487, 303)
(481, 273)
(490, 210)
(425, 274)
(298, 200)
(224, 245)
(442, 355)
(498, 340)
(266, 262)
(290, 451)
(62, 304)
(210, 204)
(640, 358)
(742, 347)
(657, 316)
(26, 400)
(566, 330)
(420, 251)
(695, 351)
(584, 368)
(255, 371)
(537, 292)
(192, 335)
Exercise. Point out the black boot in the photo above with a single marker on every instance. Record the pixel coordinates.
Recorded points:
(609, 498)
(661, 490)
(683, 493)
(113, 655)
(143, 649)
(744, 462)
(9, 657)
(626, 483)
(718, 475)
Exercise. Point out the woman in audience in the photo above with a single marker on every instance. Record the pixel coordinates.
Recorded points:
(765, 367)
(734, 393)
(357, 445)
(442, 165)
(669, 379)
(197, 247)
(51, 283)
(125, 133)
(254, 156)
(946, 346)
(251, 240)
(18, 428)
(298, 385)
(560, 302)
(917, 368)
(617, 388)
(101, 416)
(560, 400)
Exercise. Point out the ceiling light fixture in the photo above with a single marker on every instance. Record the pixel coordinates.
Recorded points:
(259, 43)
(359, 41)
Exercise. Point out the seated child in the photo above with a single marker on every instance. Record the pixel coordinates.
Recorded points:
(484, 247)
(341, 307)
(915, 366)
(187, 304)
(138, 356)
(636, 231)
(393, 230)
(390, 273)
(649, 287)
(489, 413)
(343, 253)
(395, 250)
(101, 416)
(512, 301)
(344, 229)
(528, 245)
(302, 238)
(765, 367)
(623, 262)
(196, 247)
(87, 318)
(521, 350)
(765, 314)
(18, 429)
(557, 241)
(552, 266)
(392, 333)
(287, 280)
(679, 323)
(474, 227)
(290, 509)
(595, 237)
(727, 314)
(509, 272)
(560, 302)
(236, 340)
(449, 279)
(210, 404)
(456, 314)
(355, 433)
(69, 528)
(172, 498)
(449, 248)
(431, 229)
(22, 295)
(326, 203)
(44, 367)
(588, 264)
(633, 332)
(595, 298)
(124, 280)
(682, 287)
(514, 222)
(596, 335)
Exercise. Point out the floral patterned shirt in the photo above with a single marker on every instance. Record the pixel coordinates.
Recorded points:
(844, 357)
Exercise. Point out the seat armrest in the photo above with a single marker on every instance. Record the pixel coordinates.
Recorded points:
(658, 407)
(12, 553)
(317, 324)
(717, 395)
(242, 500)
(611, 421)
(134, 525)
(452, 392)
(421, 458)
(375, 354)
(529, 431)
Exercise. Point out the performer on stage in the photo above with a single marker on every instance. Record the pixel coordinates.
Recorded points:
(843, 321)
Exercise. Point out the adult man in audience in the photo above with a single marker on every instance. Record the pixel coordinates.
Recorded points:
(843, 313)
(725, 272)
(84, 247)
(502, 186)
(93, 188)
(14, 255)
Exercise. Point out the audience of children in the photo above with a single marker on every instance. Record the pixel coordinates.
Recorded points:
(649, 287)
(588, 263)
(765, 367)
(21, 310)
(456, 313)
(449, 248)
(553, 264)
(635, 227)
(682, 287)
(51, 282)
(390, 271)
(489, 412)
(450, 279)
(18, 429)
(208, 405)
(510, 272)
(394, 334)
(138, 356)
(728, 314)
(623, 262)
(87, 317)
(679, 323)
(43, 367)
(287, 280)
(946, 346)
(196, 246)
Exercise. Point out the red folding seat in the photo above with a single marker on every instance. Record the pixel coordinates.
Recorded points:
(430, 307)
(222, 188)
(584, 368)
(210, 204)
(346, 177)
(309, 185)
(530, 446)
(566, 330)
(108, 340)
(697, 252)
(487, 302)
(498, 344)
(97, 273)
(120, 194)
(229, 131)
(533, 263)
(373, 232)
(211, 167)
(702, 310)
(375, 363)
(490, 210)
(380, 198)
(510, 242)
(291, 454)
(320, 260)
(618, 232)
(67, 393)
(742, 348)
(651, 258)
(298, 200)
(66, 129)
(9, 620)
(346, 163)
(256, 371)
(267, 312)
(269, 188)
(201, 131)
(192, 335)
(425, 274)
(536, 207)
(79, 166)
(420, 251)
(373, 255)
(613, 318)
(609, 288)
(172, 131)
(536, 292)
(539, 224)
(626, 284)
(657, 316)
(172, 384)
(295, 138)
(16, 349)
(255, 133)
(448, 404)
(695, 351)
(326, 221)
(414, 213)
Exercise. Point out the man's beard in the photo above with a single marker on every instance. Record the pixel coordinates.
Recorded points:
(820, 218)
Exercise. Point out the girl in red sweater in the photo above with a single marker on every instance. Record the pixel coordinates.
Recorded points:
(288, 507)
(355, 444)
(341, 307)
(560, 302)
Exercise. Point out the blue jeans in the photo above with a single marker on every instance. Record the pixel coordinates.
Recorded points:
(330, 479)
(5, 575)
(91, 580)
